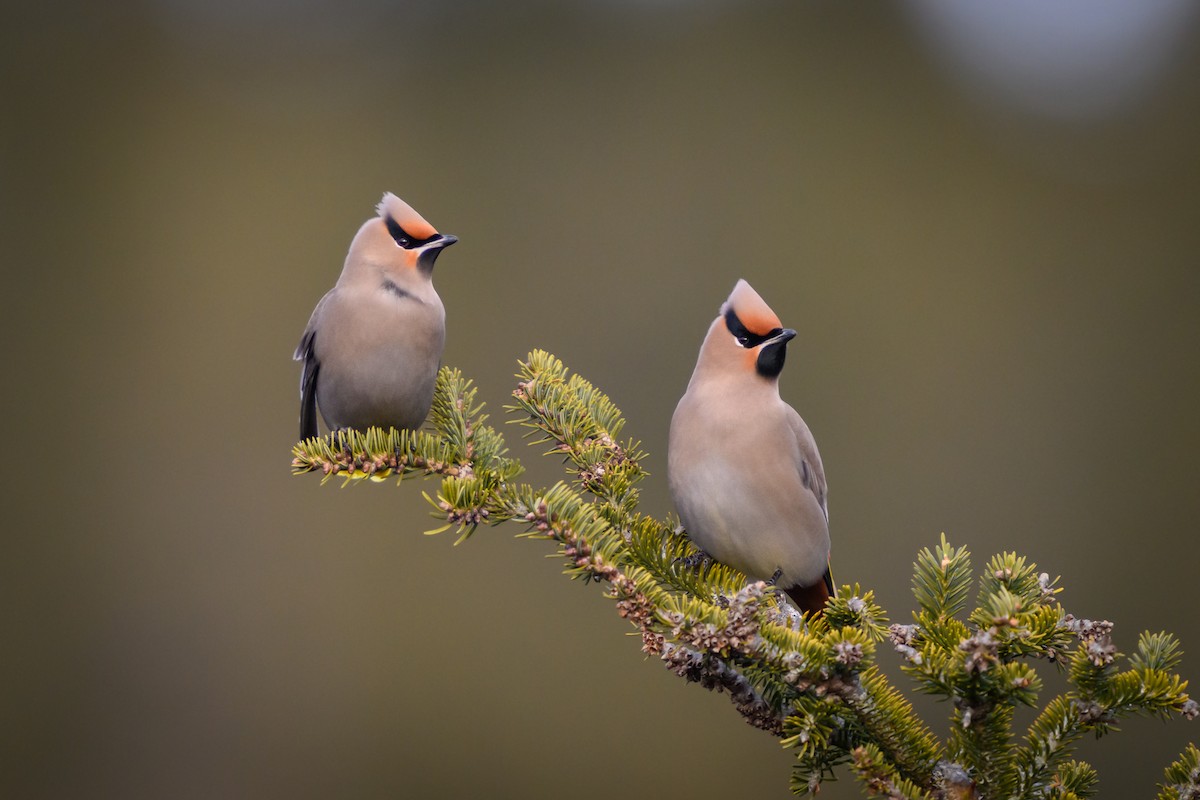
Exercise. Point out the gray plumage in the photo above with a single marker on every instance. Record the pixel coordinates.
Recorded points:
(374, 342)
(743, 467)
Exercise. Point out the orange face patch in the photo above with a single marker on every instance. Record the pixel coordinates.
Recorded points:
(752, 310)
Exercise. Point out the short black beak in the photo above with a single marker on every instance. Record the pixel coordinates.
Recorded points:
(431, 249)
(785, 335)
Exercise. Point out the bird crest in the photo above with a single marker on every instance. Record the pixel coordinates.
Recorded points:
(751, 309)
(404, 215)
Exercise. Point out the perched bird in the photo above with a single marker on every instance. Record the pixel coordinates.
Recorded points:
(374, 342)
(743, 468)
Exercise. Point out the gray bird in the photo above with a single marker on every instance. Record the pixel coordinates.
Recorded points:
(374, 342)
(743, 468)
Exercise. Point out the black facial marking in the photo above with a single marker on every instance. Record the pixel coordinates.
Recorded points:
(770, 359)
(404, 238)
(396, 290)
(746, 337)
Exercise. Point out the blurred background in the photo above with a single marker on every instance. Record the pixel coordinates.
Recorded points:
(982, 219)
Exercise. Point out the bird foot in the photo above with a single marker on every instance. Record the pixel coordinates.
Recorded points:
(695, 560)
(338, 438)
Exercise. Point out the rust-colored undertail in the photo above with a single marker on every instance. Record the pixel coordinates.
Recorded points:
(810, 600)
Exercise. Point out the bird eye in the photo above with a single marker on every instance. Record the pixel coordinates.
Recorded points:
(400, 236)
(740, 332)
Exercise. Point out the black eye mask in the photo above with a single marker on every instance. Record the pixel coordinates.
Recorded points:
(746, 337)
(403, 237)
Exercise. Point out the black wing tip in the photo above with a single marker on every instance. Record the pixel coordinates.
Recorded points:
(308, 417)
(304, 349)
(308, 391)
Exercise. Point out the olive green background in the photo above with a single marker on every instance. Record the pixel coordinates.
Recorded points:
(999, 317)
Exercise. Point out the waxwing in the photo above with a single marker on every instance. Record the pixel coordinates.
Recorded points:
(373, 345)
(742, 465)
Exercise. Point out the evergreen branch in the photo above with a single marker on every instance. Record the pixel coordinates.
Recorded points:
(1020, 579)
(375, 454)
(1049, 740)
(584, 425)
(981, 741)
(1157, 651)
(659, 549)
(459, 443)
(1182, 778)
(896, 729)
(815, 688)
(942, 579)
(817, 731)
(1074, 779)
(1101, 695)
(855, 608)
(881, 778)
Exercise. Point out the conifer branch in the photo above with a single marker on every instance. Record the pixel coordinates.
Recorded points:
(1182, 777)
(817, 688)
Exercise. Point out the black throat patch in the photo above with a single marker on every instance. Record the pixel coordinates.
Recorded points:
(770, 359)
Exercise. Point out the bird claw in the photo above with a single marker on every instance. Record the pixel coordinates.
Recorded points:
(695, 560)
(773, 584)
(339, 438)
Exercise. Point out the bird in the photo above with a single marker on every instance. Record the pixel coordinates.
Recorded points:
(373, 345)
(742, 466)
